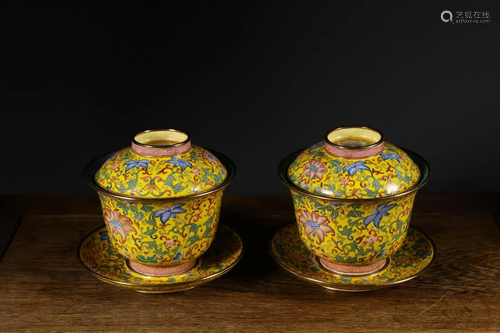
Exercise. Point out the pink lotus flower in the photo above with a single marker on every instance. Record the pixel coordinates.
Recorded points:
(195, 171)
(209, 157)
(344, 181)
(315, 225)
(313, 169)
(371, 239)
(118, 224)
(169, 242)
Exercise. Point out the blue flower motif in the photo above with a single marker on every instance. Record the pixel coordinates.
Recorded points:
(303, 185)
(355, 167)
(137, 164)
(381, 211)
(423, 254)
(381, 254)
(390, 156)
(104, 236)
(166, 213)
(179, 162)
(178, 256)
(317, 145)
(280, 250)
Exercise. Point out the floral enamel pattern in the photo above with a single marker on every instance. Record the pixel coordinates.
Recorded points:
(390, 172)
(98, 254)
(314, 225)
(415, 254)
(130, 174)
(351, 232)
(162, 232)
(118, 224)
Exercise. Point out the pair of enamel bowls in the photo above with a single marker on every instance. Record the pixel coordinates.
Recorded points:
(353, 195)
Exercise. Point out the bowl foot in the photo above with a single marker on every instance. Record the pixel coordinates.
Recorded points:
(354, 270)
(161, 270)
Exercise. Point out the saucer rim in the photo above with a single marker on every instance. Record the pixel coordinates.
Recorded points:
(354, 287)
(148, 288)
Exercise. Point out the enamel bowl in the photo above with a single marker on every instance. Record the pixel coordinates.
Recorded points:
(353, 195)
(161, 199)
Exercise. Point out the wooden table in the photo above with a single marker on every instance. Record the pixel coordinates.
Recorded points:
(44, 287)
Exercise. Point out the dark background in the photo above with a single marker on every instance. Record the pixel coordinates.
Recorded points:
(255, 81)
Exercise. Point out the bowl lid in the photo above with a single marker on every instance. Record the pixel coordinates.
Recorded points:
(161, 164)
(353, 163)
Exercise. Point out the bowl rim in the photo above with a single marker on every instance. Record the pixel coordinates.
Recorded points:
(425, 171)
(93, 166)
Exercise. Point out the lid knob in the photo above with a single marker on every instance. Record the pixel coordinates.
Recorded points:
(161, 142)
(354, 142)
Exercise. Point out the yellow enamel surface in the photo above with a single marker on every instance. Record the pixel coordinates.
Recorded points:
(106, 263)
(130, 174)
(352, 233)
(390, 172)
(162, 233)
(414, 256)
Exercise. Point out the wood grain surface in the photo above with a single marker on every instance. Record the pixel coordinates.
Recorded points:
(44, 287)
(8, 226)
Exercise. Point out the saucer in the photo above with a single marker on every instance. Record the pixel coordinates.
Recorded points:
(98, 255)
(415, 255)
